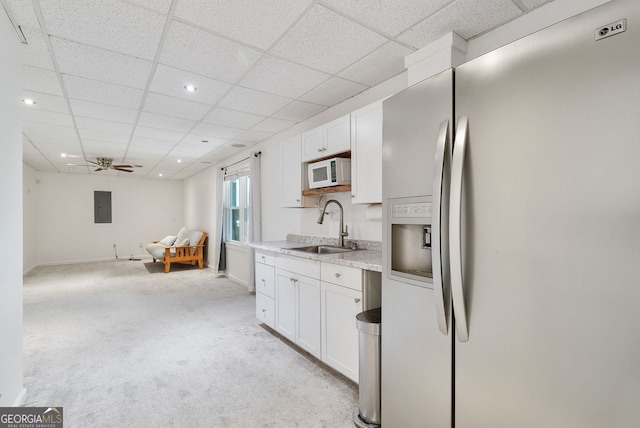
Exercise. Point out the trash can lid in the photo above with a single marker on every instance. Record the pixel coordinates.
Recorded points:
(369, 321)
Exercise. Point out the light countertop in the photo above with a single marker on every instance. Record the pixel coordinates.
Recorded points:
(361, 259)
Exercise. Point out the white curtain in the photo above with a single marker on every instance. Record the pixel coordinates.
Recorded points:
(218, 243)
(255, 224)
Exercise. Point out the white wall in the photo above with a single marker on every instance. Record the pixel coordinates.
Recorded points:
(11, 384)
(30, 219)
(143, 210)
(200, 207)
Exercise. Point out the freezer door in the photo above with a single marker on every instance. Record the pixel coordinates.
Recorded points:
(416, 345)
(551, 229)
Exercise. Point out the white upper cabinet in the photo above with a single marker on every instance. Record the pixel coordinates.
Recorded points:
(291, 178)
(326, 140)
(366, 154)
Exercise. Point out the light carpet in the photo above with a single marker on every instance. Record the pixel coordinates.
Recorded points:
(117, 346)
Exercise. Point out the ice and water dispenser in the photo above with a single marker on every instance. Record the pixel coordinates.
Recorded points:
(409, 222)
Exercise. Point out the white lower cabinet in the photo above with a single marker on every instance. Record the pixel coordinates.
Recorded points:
(265, 289)
(298, 303)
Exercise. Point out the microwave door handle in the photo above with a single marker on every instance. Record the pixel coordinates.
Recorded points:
(455, 231)
(441, 158)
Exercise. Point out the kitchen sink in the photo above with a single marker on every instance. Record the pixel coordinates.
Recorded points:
(322, 249)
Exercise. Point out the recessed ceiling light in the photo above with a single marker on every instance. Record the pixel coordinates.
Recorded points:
(205, 141)
(63, 155)
(28, 101)
(238, 145)
(160, 175)
(190, 88)
(71, 168)
(179, 161)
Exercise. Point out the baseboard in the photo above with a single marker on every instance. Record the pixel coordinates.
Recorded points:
(75, 262)
(237, 280)
(20, 398)
(26, 271)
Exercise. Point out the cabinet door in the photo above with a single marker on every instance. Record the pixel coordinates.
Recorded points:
(308, 336)
(340, 306)
(286, 306)
(313, 144)
(291, 173)
(366, 154)
(337, 136)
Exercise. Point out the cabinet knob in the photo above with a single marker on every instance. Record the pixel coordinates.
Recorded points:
(357, 300)
(319, 150)
(263, 280)
(337, 275)
(264, 310)
(353, 196)
(297, 200)
(263, 258)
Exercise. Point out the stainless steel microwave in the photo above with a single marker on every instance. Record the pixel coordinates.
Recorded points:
(330, 172)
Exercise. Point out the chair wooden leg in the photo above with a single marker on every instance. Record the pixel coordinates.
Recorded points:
(200, 264)
(167, 266)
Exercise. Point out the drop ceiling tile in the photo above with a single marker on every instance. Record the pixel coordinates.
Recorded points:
(253, 136)
(327, 41)
(390, 16)
(333, 92)
(532, 4)
(40, 80)
(468, 18)
(258, 23)
(46, 102)
(298, 111)
(171, 81)
(101, 92)
(175, 107)
(46, 117)
(104, 125)
(22, 12)
(35, 53)
(100, 64)
(108, 24)
(159, 121)
(281, 77)
(191, 151)
(33, 129)
(105, 136)
(273, 125)
(250, 101)
(380, 65)
(158, 134)
(203, 53)
(232, 118)
(160, 145)
(196, 140)
(103, 111)
(217, 131)
(94, 149)
(147, 154)
(160, 6)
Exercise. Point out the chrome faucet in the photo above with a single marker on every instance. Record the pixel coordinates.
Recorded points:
(342, 233)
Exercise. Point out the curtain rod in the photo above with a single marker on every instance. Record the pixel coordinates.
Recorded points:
(256, 154)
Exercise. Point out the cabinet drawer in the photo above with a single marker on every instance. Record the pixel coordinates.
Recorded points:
(345, 276)
(265, 309)
(310, 268)
(265, 279)
(265, 259)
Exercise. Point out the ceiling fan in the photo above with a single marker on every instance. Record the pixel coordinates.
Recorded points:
(104, 164)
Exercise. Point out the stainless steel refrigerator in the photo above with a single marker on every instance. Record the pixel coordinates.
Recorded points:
(511, 244)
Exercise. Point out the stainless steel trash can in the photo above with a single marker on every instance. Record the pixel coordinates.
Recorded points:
(368, 324)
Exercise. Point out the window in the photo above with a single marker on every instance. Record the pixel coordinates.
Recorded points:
(236, 206)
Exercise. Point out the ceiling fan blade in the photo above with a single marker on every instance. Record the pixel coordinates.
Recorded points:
(99, 169)
(122, 169)
(122, 166)
(90, 161)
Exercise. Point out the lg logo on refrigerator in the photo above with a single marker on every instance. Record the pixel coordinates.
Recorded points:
(611, 29)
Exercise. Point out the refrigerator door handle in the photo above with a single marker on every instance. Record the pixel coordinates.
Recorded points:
(436, 226)
(455, 232)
